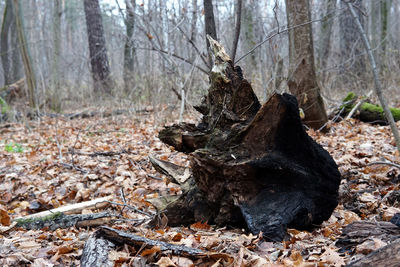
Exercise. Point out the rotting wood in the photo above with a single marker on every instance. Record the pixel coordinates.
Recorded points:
(121, 237)
(252, 166)
(358, 232)
(60, 220)
(388, 256)
(95, 252)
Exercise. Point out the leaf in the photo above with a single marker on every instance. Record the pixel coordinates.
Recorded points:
(4, 218)
(150, 251)
(165, 262)
(200, 226)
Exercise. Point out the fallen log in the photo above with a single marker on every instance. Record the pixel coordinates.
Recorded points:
(252, 166)
(387, 256)
(367, 111)
(61, 220)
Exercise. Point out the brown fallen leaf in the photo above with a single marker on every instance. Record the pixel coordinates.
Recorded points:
(4, 218)
(165, 262)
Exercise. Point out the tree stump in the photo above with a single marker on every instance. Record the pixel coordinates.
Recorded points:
(252, 166)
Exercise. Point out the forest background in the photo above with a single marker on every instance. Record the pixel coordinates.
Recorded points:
(156, 49)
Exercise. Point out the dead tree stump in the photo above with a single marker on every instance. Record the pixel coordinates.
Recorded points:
(251, 165)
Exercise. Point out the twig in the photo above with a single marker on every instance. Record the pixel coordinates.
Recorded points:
(101, 153)
(141, 169)
(358, 105)
(130, 207)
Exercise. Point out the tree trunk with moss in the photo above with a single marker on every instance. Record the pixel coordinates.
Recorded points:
(302, 78)
(251, 166)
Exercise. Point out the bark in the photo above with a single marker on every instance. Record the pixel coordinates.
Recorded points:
(25, 53)
(97, 47)
(249, 34)
(252, 166)
(209, 23)
(385, 11)
(55, 103)
(326, 33)
(95, 252)
(129, 50)
(387, 256)
(8, 20)
(302, 78)
(193, 30)
(351, 44)
(237, 28)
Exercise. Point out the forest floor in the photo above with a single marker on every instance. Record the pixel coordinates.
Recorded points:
(54, 162)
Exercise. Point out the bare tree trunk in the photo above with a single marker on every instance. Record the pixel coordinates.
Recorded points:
(193, 31)
(385, 10)
(351, 44)
(26, 58)
(129, 50)
(237, 29)
(5, 41)
(378, 87)
(209, 23)
(326, 33)
(302, 78)
(97, 47)
(16, 69)
(57, 46)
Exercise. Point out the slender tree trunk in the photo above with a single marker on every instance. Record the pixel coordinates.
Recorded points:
(129, 50)
(248, 31)
(385, 9)
(25, 53)
(193, 30)
(16, 69)
(351, 44)
(97, 47)
(209, 22)
(302, 78)
(378, 86)
(326, 33)
(5, 41)
(57, 45)
(238, 12)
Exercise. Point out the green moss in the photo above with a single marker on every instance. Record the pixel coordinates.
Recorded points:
(396, 113)
(348, 102)
(350, 97)
(376, 112)
(50, 217)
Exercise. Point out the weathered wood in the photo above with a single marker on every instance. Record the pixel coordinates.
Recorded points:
(387, 256)
(358, 232)
(255, 166)
(60, 220)
(120, 237)
(73, 208)
(95, 252)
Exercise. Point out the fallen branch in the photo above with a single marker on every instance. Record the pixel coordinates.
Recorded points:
(102, 153)
(120, 237)
(60, 220)
(73, 208)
